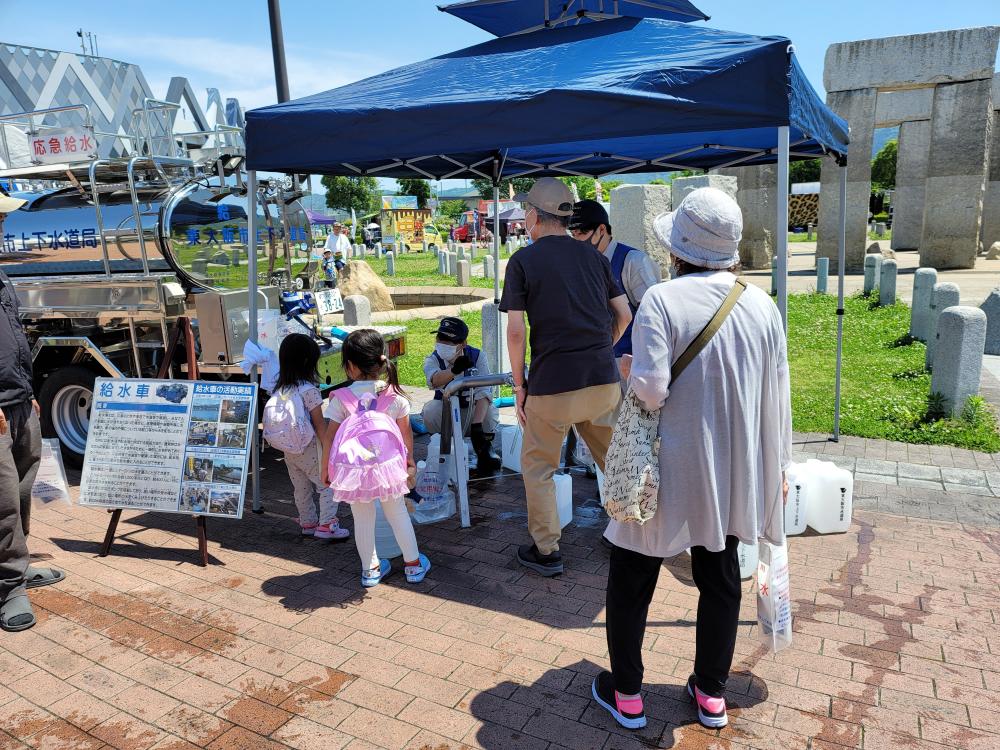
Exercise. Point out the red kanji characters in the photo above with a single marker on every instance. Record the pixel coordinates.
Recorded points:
(38, 146)
(55, 146)
(69, 144)
(85, 143)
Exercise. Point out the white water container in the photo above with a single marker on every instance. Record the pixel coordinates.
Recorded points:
(564, 498)
(385, 541)
(511, 437)
(798, 499)
(747, 555)
(446, 470)
(831, 491)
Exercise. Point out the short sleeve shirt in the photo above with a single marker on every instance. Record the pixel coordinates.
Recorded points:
(336, 412)
(311, 397)
(564, 286)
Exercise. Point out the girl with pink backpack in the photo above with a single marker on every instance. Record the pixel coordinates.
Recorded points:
(368, 454)
(294, 424)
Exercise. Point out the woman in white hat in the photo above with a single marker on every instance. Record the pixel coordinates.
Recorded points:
(725, 441)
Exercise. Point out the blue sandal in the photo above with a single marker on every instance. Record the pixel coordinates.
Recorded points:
(373, 577)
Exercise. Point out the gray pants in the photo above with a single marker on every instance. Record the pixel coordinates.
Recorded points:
(20, 454)
(434, 412)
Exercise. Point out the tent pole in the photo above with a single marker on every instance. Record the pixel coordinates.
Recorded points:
(252, 304)
(841, 262)
(496, 261)
(782, 225)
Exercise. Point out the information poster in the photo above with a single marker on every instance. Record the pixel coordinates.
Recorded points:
(172, 446)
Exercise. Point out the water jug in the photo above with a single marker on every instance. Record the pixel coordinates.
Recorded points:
(564, 498)
(445, 468)
(385, 540)
(747, 555)
(831, 490)
(798, 477)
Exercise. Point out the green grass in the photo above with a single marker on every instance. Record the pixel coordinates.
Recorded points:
(885, 389)
(420, 269)
(802, 237)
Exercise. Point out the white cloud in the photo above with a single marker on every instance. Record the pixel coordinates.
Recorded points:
(243, 71)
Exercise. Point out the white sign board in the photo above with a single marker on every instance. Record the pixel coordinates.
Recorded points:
(329, 301)
(174, 446)
(61, 145)
(50, 481)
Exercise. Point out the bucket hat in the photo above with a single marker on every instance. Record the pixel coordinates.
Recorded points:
(704, 230)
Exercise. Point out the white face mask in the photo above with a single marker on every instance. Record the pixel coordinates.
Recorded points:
(447, 352)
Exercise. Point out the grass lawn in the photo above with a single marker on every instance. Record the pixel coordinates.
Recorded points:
(804, 237)
(885, 387)
(420, 269)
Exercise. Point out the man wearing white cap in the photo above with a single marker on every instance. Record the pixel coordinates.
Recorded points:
(725, 442)
(577, 313)
(20, 454)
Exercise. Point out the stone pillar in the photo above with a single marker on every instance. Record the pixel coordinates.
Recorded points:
(443, 263)
(378, 251)
(911, 176)
(464, 273)
(681, 186)
(488, 266)
(991, 200)
(858, 108)
(958, 361)
(357, 310)
(945, 295)
(452, 260)
(956, 174)
(390, 264)
(461, 253)
(755, 193)
(494, 320)
(920, 309)
(873, 264)
(991, 307)
(633, 209)
(887, 283)
(822, 274)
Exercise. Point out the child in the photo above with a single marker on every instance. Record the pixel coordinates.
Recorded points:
(294, 424)
(371, 459)
(329, 270)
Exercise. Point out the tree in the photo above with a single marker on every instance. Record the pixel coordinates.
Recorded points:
(884, 168)
(485, 187)
(346, 193)
(452, 209)
(803, 171)
(417, 187)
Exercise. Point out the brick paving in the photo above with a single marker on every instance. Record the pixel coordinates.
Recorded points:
(275, 645)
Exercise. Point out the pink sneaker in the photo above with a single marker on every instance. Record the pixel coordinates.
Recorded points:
(711, 710)
(332, 531)
(308, 529)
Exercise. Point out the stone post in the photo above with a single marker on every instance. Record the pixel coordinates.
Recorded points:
(464, 273)
(452, 260)
(633, 209)
(809, 232)
(357, 310)
(923, 295)
(872, 268)
(991, 307)
(390, 264)
(443, 263)
(822, 274)
(958, 361)
(378, 251)
(236, 256)
(461, 253)
(494, 320)
(488, 266)
(945, 295)
(423, 244)
(879, 229)
(887, 283)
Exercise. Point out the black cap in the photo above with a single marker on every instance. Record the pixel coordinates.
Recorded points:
(452, 330)
(588, 214)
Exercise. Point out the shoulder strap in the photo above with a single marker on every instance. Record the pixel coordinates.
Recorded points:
(346, 397)
(710, 329)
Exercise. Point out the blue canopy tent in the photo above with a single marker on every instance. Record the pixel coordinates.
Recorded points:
(619, 96)
(506, 17)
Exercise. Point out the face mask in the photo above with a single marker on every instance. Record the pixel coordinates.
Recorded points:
(447, 352)
(530, 229)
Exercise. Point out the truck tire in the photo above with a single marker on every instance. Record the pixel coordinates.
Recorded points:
(65, 399)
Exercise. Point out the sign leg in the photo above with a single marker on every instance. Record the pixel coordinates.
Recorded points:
(109, 537)
(203, 541)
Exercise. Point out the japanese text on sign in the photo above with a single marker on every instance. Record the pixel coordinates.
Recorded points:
(175, 446)
(61, 145)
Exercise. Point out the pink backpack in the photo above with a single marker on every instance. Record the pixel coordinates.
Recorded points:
(368, 456)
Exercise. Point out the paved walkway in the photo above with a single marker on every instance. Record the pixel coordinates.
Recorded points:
(274, 645)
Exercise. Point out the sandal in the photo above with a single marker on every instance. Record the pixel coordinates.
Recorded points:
(16, 614)
(35, 577)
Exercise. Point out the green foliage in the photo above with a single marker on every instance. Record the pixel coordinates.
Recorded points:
(884, 168)
(345, 193)
(659, 181)
(804, 171)
(485, 187)
(417, 187)
(885, 389)
(452, 209)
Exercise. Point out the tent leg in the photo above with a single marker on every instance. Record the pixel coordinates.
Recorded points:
(782, 225)
(841, 262)
(252, 303)
(496, 261)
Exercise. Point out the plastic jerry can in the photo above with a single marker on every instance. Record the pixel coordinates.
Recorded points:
(564, 498)
(798, 499)
(385, 541)
(511, 437)
(747, 556)
(831, 491)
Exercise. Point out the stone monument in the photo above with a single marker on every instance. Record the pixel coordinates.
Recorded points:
(357, 310)
(887, 283)
(920, 310)
(958, 361)
(633, 209)
(945, 295)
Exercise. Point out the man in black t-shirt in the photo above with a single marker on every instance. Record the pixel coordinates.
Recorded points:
(577, 313)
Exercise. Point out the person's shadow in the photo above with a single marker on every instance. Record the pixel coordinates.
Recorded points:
(558, 708)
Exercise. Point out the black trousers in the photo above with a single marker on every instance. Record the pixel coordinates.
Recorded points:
(631, 582)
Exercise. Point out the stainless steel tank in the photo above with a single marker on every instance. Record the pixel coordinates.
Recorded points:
(196, 231)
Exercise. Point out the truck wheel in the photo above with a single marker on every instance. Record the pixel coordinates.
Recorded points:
(65, 398)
